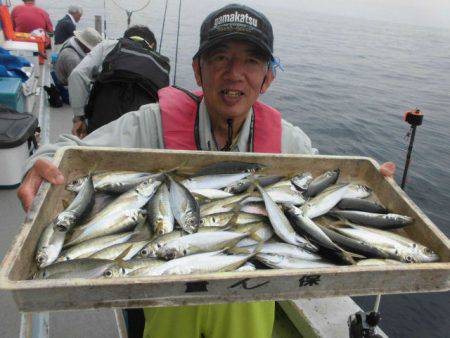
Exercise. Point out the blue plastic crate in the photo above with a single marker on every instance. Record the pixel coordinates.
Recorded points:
(11, 93)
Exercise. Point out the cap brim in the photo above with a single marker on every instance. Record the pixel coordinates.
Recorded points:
(234, 35)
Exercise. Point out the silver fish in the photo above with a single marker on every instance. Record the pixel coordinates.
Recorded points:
(242, 185)
(222, 219)
(287, 262)
(302, 181)
(80, 207)
(200, 242)
(112, 182)
(246, 267)
(373, 261)
(122, 220)
(49, 246)
(211, 194)
(325, 201)
(357, 191)
(114, 251)
(79, 268)
(361, 205)
(379, 221)
(320, 183)
(160, 216)
(151, 250)
(184, 207)
(281, 224)
(398, 247)
(283, 249)
(89, 247)
(280, 194)
(218, 181)
(229, 167)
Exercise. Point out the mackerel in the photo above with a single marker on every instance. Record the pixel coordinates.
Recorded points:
(287, 262)
(302, 181)
(184, 207)
(322, 182)
(325, 201)
(361, 205)
(49, 246)
(160, 216)
(379, 221)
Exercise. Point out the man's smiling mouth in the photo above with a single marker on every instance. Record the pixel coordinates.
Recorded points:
(232, 93)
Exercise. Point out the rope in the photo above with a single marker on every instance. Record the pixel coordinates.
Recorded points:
(162, 28)
(176, 49)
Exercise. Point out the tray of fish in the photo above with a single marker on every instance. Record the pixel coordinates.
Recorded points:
(136, 228)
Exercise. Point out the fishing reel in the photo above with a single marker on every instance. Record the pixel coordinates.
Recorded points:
(362, 324)
(414, 118)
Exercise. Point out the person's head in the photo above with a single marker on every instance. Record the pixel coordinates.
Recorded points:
(76, 12)
(233, 62)
(143, 34)
(87, 39)
(28, 1)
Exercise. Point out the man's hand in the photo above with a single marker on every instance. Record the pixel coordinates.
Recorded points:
(79, 129)
(387, 169)
(42, 170)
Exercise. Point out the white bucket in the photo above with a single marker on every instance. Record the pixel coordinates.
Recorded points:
(12, 162)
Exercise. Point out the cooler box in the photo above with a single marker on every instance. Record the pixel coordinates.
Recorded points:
(11, 94)
(15, 131)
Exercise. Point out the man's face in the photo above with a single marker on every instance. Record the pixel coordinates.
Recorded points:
(77, 17)
(232, 75)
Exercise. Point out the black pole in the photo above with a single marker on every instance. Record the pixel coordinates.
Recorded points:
(408, 156)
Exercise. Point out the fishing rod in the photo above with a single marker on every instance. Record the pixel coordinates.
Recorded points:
(130, 12)
(162, 28)
(362, 324)
(176, 49)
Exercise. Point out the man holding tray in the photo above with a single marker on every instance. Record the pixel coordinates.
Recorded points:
(234, 65)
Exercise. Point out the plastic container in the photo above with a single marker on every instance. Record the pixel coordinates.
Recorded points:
(11, 94)
(15, 131)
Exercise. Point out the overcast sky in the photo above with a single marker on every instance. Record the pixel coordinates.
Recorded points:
(423, 12)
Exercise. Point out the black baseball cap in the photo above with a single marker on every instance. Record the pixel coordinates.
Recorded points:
(236, 22)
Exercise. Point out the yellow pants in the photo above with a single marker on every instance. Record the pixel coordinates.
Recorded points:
(232, 320)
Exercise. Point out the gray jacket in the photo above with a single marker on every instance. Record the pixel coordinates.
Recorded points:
(143, 129)
(68, 59)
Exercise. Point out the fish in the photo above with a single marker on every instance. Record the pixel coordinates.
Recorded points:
(217, 181)
(78, 268)
(357, 191)
(89, 247)
(280, 194)
(211, 194)
(243, 184)
(199, 242)
(373, 261)
(281, 224)
(151, 249)
(121, 221)
(247, 267)
(101, 201)
(184, 207)
(379, 221)
(229, 167)
(261, 231)
(362, 205)
(112, 182)
(160, 215)
(133, 265)
(287, 262)
(49, 246)
(302, 181)
(222, 219)
(282, 249)
(325, 201)
(114, 251)
(320, 183)
(396, 246)
(78, 208)
(222, 205)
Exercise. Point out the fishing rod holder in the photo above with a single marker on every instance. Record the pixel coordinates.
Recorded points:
(363, 324)
(414, 118)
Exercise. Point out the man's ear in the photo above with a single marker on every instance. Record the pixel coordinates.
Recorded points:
(197, 71)
(270, 76)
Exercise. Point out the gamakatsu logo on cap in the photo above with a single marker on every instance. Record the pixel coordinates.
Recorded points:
(236, 17)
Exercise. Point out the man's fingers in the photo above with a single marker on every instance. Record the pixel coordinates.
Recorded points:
(387, 169)
(48, 171)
